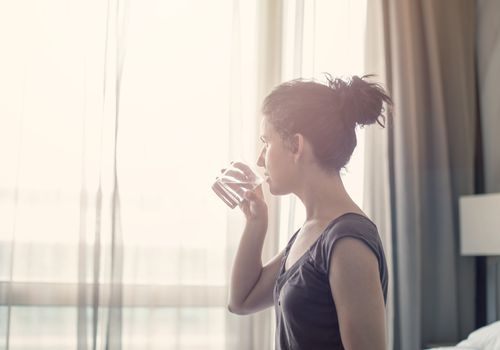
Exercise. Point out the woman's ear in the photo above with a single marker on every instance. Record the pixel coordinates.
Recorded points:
(297, 145)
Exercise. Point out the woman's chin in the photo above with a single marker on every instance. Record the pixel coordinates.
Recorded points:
(269, 184)
(276, 190)
(272, 189)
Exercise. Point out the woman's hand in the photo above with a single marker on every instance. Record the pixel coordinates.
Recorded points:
(254, 206)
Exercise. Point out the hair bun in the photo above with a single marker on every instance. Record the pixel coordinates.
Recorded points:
(364, 101)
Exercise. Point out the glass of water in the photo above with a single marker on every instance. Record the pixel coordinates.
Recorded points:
(234, 181)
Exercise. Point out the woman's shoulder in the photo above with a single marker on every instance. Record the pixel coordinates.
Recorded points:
(352, 225)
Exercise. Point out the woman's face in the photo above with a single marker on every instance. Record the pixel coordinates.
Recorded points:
(276, 159)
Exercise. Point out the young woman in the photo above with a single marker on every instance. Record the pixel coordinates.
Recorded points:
(329, 284)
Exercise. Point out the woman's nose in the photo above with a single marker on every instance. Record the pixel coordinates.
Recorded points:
(260, 160)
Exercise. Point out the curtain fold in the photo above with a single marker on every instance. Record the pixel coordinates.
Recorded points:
(376, 177)
(99, 318)
(428, 64)
(488, 70)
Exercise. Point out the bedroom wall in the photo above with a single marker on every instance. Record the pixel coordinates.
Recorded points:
(488, 61)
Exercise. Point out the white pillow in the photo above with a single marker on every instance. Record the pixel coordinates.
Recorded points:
(484, 338)
(452, 348)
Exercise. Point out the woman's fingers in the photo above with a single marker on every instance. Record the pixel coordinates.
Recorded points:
(244, 168)
(250, 195)
(235, 173)
(236, 177)
(258, 191)
(241, 166)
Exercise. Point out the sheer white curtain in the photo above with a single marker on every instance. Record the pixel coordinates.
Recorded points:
(115, 118)
(377, 202)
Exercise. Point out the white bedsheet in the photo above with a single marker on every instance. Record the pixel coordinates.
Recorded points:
(484, 338)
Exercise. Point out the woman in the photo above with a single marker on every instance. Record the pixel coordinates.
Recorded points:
(329, 284)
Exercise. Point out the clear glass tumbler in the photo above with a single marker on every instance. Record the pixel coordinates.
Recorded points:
(232, 184)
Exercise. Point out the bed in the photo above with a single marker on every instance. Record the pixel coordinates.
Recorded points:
(484, 338)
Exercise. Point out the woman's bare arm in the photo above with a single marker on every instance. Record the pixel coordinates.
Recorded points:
(251, 287)
(357, 292)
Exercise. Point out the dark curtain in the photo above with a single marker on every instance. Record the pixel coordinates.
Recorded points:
(430, 68)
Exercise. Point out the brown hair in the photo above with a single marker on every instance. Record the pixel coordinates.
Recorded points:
(326, 115)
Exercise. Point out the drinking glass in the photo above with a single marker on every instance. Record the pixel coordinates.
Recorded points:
(234, 181)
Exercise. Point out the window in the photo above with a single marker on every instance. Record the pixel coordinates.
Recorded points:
(63, 234)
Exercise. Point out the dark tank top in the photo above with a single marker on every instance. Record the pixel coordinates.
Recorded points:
(306, 317)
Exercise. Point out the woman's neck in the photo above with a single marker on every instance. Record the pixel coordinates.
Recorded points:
(324, 197)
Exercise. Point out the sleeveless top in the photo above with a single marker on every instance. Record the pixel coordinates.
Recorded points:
(306, 317)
